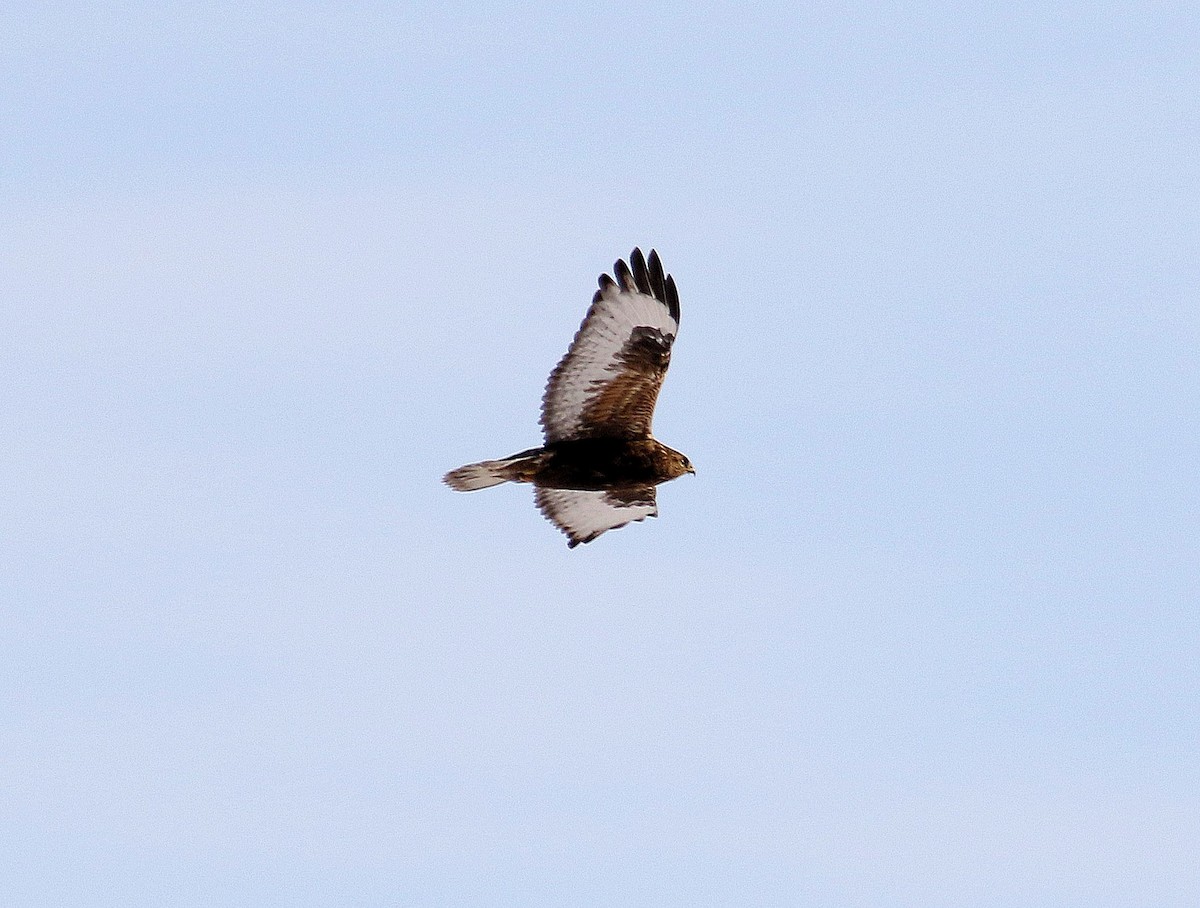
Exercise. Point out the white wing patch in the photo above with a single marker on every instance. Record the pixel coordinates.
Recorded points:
(641, 298)
(585, 515)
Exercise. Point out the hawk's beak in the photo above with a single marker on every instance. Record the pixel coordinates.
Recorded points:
(691, 469)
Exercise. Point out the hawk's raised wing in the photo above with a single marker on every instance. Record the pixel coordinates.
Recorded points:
(585, 515)
(607, 384)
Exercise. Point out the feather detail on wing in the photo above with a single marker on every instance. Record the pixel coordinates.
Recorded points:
(607, 384)
(585, 515)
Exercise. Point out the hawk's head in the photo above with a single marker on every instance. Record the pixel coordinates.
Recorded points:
(675, 464)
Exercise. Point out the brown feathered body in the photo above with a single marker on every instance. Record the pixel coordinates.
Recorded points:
(599, 466)
(585, 464)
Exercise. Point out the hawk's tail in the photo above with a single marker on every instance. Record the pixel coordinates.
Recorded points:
(488, 473)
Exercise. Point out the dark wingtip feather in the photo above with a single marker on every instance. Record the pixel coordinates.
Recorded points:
(657, 284)
(672, 298)
(640, 275)
(624, 278)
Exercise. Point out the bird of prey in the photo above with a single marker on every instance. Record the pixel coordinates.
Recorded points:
(599, 465)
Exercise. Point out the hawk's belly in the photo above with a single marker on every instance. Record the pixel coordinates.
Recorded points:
(595, 464)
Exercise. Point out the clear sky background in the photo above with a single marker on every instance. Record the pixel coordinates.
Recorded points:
(924, 630)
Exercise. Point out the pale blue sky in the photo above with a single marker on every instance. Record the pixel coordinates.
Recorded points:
(922, 632)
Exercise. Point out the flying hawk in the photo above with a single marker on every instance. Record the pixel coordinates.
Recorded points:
(599, 466)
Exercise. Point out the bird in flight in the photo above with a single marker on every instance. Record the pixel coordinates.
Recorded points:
(599, 465)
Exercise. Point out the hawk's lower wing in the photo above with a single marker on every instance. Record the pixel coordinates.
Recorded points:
(585, 515)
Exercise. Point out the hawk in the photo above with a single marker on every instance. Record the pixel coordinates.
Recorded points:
(599, 465)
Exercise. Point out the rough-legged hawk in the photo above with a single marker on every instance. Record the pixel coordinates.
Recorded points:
(599, 466)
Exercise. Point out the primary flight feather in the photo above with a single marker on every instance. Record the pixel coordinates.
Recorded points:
(599, 465)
